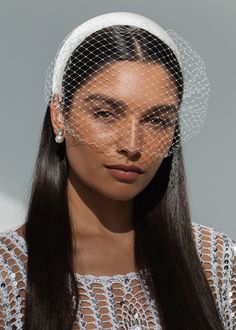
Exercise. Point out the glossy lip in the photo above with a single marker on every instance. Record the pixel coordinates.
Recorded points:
(128, 168)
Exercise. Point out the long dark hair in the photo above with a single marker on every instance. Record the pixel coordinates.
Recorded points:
(164, 244)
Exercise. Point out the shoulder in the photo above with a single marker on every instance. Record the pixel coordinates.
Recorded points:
(212, 240)
(12, 245)
(217, 253)
(13, 259)
(214, 247)
(13, 254)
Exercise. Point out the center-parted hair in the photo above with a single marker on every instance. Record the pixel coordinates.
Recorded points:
(164, 245)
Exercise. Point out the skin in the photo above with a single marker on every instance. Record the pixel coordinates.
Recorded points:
(100, 205)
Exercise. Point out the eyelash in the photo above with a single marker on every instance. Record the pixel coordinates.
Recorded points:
(99, 113)
(154, 120)
(160, 121)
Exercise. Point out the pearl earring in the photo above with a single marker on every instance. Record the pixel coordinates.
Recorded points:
(59, 137)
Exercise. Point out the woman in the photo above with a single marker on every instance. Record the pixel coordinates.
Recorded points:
(108, 242)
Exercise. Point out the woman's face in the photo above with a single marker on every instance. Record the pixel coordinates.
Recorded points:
(124, 115)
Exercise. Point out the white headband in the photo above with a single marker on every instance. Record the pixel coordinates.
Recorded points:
(99, 22)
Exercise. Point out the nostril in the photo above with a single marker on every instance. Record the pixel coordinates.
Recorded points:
(134, 154)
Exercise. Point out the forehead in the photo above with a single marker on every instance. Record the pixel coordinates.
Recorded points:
(133, 82)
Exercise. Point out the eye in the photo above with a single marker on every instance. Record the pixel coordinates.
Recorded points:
(103, 114)
(158, 121)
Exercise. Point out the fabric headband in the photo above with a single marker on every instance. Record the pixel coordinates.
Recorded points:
(99, 22)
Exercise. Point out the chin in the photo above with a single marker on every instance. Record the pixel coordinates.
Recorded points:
(122, 195)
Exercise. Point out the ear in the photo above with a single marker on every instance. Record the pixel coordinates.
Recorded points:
(55, 112)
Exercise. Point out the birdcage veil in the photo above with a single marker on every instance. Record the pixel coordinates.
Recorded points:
(91, 65)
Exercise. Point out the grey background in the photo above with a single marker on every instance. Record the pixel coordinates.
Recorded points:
(30, 33)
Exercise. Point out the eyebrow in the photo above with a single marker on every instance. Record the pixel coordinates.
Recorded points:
(115, 104)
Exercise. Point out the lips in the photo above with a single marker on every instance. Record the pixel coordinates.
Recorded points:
(125, 173)
(127, 168)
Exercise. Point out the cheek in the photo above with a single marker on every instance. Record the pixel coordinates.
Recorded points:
(81, 160)
(151, 173)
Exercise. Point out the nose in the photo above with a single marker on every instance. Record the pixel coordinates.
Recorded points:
(129, 142)
(131, 154)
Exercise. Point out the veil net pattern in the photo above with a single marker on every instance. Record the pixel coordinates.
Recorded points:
(120, 301)
(124, 87)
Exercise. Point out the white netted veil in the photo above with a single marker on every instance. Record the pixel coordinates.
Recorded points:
(110, 53)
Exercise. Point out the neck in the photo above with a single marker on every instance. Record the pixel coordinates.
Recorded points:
(93, 213)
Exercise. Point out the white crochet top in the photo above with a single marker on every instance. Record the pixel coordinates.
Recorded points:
(119, 301)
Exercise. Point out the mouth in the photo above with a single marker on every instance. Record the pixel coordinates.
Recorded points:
(126, 168)
(124, 172)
